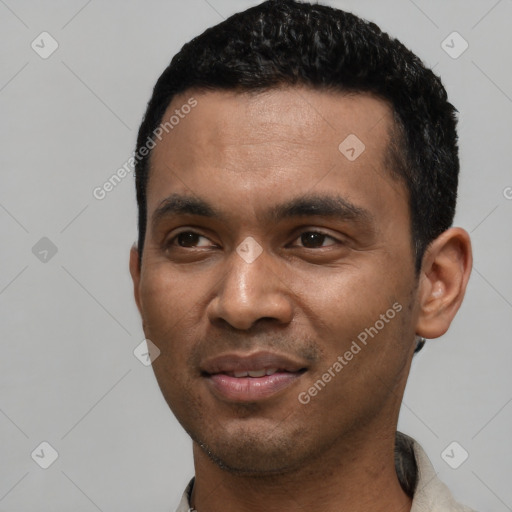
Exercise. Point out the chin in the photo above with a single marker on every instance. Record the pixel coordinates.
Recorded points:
(248, 464)
(252, 454)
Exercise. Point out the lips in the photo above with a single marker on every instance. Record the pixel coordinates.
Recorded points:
(248, 378)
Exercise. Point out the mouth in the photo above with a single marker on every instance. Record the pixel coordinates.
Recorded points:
(251, 378)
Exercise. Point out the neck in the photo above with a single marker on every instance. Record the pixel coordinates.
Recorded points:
(357, 475)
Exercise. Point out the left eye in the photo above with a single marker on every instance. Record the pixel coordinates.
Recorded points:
(314, 239)
(189, 239)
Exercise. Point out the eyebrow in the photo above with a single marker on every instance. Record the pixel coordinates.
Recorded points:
(314, 205)
(310, 205)
(177, 204)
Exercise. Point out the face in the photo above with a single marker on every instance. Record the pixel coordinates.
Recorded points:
(277, 277)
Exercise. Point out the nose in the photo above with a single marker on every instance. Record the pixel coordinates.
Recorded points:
(249, 292)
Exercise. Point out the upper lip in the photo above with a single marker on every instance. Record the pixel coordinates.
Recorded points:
(238, 362)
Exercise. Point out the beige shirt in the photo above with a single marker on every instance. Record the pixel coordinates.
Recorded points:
(430, 495)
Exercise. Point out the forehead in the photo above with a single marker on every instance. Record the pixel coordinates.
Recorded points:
(251, 148)
(298, 116)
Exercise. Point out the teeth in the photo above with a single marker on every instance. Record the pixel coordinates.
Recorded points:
(255, 373)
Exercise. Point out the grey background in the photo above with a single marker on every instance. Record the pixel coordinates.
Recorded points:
(69, 325)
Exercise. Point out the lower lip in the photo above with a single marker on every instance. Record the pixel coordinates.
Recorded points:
(251, 389)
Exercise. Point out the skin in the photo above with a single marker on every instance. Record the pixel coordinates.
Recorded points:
(306, 296)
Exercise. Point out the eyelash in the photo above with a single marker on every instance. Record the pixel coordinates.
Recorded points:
(170, 243)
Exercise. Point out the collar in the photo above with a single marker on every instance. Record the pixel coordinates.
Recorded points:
(416, 474)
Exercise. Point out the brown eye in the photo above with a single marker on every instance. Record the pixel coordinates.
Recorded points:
(314, 239)
(189, 239)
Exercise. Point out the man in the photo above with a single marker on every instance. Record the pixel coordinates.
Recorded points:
(296, 182)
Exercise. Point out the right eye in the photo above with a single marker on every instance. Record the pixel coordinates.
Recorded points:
(186, 239)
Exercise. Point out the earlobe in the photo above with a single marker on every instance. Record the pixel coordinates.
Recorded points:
(444, 276)
(135, 273)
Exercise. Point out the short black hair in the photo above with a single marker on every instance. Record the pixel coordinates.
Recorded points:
(290, 43)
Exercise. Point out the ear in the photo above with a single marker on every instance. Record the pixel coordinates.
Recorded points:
(135, 273)
(444, 276)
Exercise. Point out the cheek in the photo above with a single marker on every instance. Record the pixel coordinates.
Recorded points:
(166, 307)
(167, 296)
(350, 298)
(165, 303)
(361, 314)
